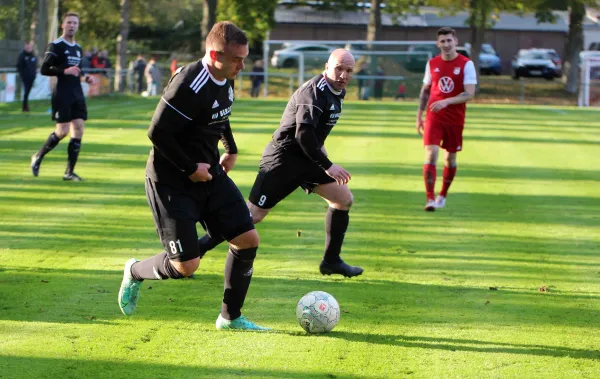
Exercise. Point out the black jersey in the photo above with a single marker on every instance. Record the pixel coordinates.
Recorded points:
(316, 104)
(190, 119)
(61, 55)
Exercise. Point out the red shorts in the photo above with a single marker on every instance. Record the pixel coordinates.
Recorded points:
(449, 137)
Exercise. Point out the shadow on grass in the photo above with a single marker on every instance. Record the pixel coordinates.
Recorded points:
(36, 367)
(90, 296)
(476, 346)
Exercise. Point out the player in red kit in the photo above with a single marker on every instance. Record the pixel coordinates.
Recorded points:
(449, 82)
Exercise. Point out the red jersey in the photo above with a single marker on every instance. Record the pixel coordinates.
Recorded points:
(448, 79)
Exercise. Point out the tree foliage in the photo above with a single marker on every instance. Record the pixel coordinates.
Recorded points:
(255, 17)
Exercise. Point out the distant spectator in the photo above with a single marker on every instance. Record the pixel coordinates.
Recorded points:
(379, 83)
(27, 68)
(86, 60)
(363, 89)
(257, 80)
(139, 70)
(106, 59)
(401, 92)
(100, 61)
(153, 77)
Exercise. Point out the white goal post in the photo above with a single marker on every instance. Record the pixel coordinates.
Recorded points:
(589, 86)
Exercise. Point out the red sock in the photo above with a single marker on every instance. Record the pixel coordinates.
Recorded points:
(448, 176)
(429, 174)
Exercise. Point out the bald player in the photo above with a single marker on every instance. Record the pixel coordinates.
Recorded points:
(296, 157)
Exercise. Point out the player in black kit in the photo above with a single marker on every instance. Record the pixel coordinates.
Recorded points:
(63, 60)
(296, 157)
(187, 183)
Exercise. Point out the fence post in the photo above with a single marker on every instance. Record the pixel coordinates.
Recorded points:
(522, 94)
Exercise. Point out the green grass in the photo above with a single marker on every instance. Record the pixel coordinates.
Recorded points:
(523, 213)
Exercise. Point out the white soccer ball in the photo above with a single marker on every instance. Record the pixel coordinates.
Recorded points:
(318, 312)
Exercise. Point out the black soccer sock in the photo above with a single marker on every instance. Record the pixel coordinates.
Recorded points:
(157, 267)
(50, 144)
(336, 224)
(74, 147)
(238, 274)
(207, 243)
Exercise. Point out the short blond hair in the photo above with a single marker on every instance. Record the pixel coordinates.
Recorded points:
(70, 14)
(223, 33)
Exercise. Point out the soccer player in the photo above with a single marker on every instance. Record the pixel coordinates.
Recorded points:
(63, 60)
(27, 67)
(449, 82)
(296, 157)
(187, 184)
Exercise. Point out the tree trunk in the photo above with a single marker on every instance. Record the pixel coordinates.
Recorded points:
(209, 18)
(574, 45)
(478, 19)
(121, 64)
(33, 27)
(373, 33)
(374, 27)
(42, 28)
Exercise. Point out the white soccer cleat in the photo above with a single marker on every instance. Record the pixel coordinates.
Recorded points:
(430, 206)
(440, 201)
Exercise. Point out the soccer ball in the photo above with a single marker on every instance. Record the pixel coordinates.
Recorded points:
(318, 312)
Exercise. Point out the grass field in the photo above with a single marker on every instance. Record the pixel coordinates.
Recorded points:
(504, 282)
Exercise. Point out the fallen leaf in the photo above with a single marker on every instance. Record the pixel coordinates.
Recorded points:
(487, 302)
(44, 281)
(494, 288)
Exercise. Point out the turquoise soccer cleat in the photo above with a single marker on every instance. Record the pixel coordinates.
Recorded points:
(129, 292)
(240, 323)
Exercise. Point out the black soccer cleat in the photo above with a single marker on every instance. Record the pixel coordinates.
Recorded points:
(36, 161)
(341, 268)
(73, 176)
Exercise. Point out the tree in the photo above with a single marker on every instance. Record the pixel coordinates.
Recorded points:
(255, 17)
(574, 45)
(121, 63)
(209, 17)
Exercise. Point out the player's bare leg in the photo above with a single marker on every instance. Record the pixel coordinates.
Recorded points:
(339, 198)
(60, 132)
(429, 175)
(448, 176)
(77, 127)
(258, 214)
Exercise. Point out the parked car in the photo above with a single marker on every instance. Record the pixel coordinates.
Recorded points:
(314, 55)
(594, 46)
(489, 61)
(543, 63)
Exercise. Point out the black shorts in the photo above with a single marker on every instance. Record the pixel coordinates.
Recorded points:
(280, 173)
(67, 110)
(217, 205)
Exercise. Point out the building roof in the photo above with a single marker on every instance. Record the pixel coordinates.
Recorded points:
(429, 17)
